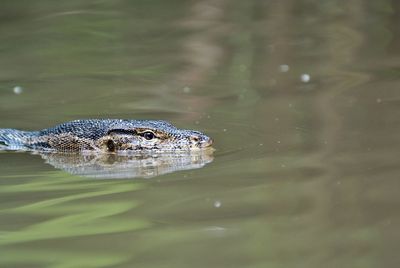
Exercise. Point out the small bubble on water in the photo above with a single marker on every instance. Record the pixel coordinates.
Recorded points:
(378, 100)
(305, 78)
(17, 90)
(278, 141)
(217, 204)
(187, 89)
(261, 144)
(224, 130)
(284, 68)
(215, 231)
(215, 228)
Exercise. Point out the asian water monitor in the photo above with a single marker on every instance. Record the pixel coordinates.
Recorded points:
(105, 135)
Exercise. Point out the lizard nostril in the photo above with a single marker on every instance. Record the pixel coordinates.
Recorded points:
(206, 142)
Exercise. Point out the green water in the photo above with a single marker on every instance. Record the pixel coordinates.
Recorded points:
(300, 97)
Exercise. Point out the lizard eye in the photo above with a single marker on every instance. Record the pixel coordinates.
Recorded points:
(148, 135)
(110, 145)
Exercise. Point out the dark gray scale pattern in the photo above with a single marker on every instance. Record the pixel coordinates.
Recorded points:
(80, 134)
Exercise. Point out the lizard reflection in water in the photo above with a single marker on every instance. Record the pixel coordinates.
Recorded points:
(107, 135)
(140, 164)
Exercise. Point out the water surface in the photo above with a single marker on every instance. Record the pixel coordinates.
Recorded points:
(300, 97)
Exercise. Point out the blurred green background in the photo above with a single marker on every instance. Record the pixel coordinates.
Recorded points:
(301, 98)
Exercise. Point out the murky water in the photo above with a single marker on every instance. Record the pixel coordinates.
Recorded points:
(301, 98)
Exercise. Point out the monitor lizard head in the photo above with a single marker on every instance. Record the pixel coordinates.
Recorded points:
(151, 135)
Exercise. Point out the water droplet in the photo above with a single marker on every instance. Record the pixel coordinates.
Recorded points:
(17, 90)
(187, 89)
(305, 78)
(284, 68)
(217, 204)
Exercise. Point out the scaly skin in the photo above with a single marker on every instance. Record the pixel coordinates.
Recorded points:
(107, 135)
